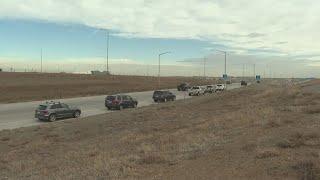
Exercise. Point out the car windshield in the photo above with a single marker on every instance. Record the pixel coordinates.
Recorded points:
(111, 98)
(42, 107)
(158, 92)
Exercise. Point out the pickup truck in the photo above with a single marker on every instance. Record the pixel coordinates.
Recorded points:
(196, 91)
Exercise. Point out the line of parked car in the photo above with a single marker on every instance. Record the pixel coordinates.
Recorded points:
(52, 111)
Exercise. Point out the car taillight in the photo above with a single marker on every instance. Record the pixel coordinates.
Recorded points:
(45, 112)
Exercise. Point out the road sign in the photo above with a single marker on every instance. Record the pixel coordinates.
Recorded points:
(258, 77)
(225, 76)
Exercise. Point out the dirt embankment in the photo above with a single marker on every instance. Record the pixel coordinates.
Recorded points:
(17, 87)
(259, 132)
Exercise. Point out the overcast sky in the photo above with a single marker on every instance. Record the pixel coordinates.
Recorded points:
(278, 36)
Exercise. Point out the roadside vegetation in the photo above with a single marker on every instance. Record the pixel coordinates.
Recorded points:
(18, 87)
(258, 132)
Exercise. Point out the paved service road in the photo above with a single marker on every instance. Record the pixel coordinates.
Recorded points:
(22, 114)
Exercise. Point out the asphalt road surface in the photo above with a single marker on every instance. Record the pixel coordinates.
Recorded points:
(18, 115)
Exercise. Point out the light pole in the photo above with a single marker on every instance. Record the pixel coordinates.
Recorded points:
(106, 56)
(254, 71)
(225, 59)
(243, 70)
(161, 54)
(41, 61)
(225, 64)
(107, 53)
(204, 67)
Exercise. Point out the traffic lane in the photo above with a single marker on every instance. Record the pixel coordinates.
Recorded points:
(22, 114)
(233, 86)
(93, 105)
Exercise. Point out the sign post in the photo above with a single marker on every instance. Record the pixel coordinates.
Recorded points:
(225, 77)
(258, 78)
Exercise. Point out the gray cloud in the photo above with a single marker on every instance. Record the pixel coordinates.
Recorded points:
(238, 26)
(255, 35)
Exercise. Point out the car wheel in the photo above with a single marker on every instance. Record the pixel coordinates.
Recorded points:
(120, 107)
(135, 105)
(76, 114)
(52, 118)
(109, 108)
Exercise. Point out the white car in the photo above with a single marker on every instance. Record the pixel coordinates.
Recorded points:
(220, 87)
(210, 89)
(196, 91)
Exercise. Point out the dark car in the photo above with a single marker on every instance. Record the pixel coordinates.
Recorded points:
(184, 87)
(55, 110)
(120, 102)
(163, 96)
(244, 83)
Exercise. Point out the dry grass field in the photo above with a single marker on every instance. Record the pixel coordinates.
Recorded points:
(17, 87)
(259, 132)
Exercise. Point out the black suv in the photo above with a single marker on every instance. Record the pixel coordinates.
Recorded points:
(163, 96)
(55, 110)
(120, 102)
(184, 87)
(244, 83)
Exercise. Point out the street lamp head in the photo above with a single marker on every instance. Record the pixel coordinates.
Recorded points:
(165, 53)
(219, 51)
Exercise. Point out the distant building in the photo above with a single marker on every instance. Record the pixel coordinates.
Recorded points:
(100, 73)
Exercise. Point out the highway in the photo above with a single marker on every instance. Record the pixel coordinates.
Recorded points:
(18, 115)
